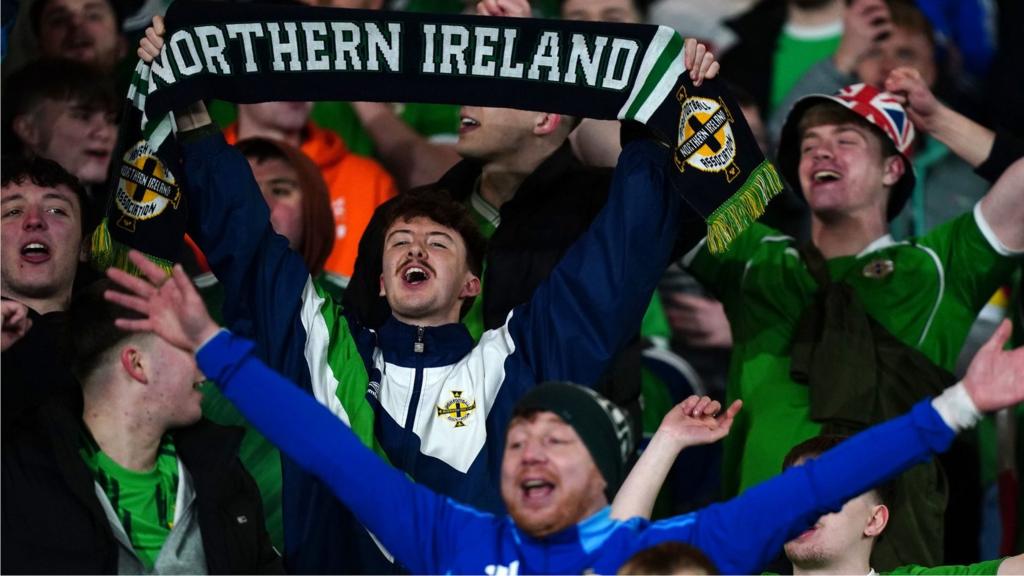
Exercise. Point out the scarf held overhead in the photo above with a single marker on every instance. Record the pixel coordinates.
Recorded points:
(258, 53)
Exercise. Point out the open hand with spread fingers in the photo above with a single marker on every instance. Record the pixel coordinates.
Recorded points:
(171, 306)
(995, 377)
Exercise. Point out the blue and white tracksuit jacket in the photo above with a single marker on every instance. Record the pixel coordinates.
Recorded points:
(432, 534)
(430, 401)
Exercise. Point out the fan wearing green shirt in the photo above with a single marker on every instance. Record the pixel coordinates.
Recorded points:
(841, 542)
(846, 154)
(124, 476)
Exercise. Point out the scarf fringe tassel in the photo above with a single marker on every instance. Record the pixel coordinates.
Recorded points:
(744, 207)
(107, 252)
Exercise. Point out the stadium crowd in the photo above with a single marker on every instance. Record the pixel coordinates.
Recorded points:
(424, 337)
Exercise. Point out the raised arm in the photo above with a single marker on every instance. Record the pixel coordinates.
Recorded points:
(692, 422)
(267, 283)
(743, 534)
(965, 137)
(1003, 206)
(413, 159)
(410, 520)
(150, 45)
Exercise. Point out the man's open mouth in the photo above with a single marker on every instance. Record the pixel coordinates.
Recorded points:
(827, 176)
(415, 275)
(536, 488)
(35, 252)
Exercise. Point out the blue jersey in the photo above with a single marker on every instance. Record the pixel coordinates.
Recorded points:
(427, 399)
(433, 534)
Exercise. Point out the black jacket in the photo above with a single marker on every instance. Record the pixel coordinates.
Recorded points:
(54, 523)
(551, 209)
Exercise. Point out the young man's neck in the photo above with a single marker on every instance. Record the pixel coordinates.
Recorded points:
(845, 236)
(840, 566)
(248, 129)
(120, 429)
(58, 303)
(827, 14)
(429, 321)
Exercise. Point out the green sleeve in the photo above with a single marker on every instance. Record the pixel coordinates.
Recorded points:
(974, 268)
(986, 567)
(723, 273)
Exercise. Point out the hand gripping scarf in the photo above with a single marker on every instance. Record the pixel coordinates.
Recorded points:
(258, 53)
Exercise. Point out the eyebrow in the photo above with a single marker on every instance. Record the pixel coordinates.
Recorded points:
(284, 180)
(399, 231)
(56, 196)
(429, 234)
(439, 233)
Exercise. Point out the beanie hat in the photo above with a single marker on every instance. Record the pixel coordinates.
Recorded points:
(603, 426)
(881, 111)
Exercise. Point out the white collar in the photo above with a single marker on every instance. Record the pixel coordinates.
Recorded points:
(819, 32)
(879, 243)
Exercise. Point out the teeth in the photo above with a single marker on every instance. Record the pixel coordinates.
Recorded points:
(823, 175)
(34, 247)
(467, 121)
(533, 484)
(415, 273)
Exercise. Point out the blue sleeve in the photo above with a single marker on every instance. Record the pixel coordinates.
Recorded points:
(263, 279)
(415, 524)
(743, 534)
(595, 298)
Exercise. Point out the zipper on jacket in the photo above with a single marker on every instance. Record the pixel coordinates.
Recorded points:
(417, 346)
(417, 387)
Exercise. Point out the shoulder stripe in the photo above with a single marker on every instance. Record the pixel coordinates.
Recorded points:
(941, 272)
(990, 234)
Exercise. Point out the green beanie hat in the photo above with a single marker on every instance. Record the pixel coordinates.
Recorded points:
(603, 426)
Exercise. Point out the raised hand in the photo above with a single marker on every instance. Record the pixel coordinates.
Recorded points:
(700, 63)
(995, 377)
(909, 88)
(151, 44)
(865, 23)
(16, 323)
(697, 421)
(690, 423)
(509, 8)
(172, 308)
(700, 321)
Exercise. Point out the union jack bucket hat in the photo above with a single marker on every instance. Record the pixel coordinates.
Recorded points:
(880, 109)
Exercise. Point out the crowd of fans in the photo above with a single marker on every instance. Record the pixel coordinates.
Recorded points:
(426, 364)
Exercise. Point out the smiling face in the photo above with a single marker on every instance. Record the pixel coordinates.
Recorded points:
(82, 30)
(281, 189)
(548, 479)
(42, 238)
(425, 272)
(843, 171)
(79, 138)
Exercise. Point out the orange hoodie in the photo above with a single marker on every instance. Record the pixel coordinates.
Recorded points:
(357, 186)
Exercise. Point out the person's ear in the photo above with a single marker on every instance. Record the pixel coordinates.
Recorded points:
(546, 123)
(893, 169)
(878, 521)
(471, 287)
(25, 128)
(133, 364)
(382, 293)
